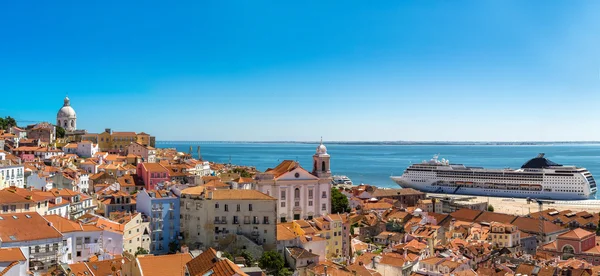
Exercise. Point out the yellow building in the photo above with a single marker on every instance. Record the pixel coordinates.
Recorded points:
(330, 228)
(18, 200)
(117, 141)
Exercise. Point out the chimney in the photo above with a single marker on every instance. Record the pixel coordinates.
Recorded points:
(325, 270)
(373, 261)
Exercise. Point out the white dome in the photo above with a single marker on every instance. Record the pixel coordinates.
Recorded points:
(66, 111)
(321, 149)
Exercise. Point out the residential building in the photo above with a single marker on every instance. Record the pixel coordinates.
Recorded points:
(35, 236)
(405, 197)
(153, 174)
(577, 243)
(430, 205)
(162, 209)
(79, 204)
(44, 132)
(13, 262)
(66, 116)
(19, 200)
(300, 194)
(86, 149)
(147, 153)
(286, 237)
(10, 174)
(80, 241)
(210, 217)
(110, 200)
(117, 142)
(504, 235)
(299, 258)
(134, 229)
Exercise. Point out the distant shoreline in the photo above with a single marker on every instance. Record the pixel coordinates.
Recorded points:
(400, 143)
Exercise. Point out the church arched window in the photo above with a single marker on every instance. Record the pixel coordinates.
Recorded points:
(297, 193)
(72, 123)
(65, 123)
(323, 166)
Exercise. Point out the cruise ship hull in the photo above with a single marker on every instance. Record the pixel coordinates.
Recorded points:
(453, 190)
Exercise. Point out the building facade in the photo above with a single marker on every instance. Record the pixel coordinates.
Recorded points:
(300, 194)
(212, 217)
(162, 209)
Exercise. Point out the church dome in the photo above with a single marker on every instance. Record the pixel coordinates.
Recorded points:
(66, 111)
(321, 149)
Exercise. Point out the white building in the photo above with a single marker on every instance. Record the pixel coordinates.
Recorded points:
(39, 180)
(300, 194)
(10, 174)
(86, 149)
(66, 116)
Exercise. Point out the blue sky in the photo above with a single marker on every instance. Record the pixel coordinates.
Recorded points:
(281, 70)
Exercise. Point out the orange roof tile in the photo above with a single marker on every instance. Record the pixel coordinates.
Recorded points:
(154, 167)
(20, 227)
(576, 234)
(208, 261)
(283, 167)
(240, 195)
(173, 264)
(66, 226)
(11, 255)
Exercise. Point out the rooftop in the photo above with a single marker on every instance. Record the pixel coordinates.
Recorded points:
(19, 227)
(173, 264)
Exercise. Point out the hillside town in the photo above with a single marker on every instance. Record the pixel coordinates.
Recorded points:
(111, 203)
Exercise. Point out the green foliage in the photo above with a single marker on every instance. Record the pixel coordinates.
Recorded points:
(7, 122)
(339, 202)
(285, 272)
(394, 226)
(60, 132)
(227, 255)
(272, 262)
(248, 258)
(141, 251)
(242, 172)
(490, 208)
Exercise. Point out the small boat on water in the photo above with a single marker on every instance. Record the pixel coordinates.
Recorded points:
(341, 180)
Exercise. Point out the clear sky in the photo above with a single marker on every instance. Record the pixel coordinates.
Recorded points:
(297, 70)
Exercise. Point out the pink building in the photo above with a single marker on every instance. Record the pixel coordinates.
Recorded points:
(146, 152)
(152, 174)
(577, 243)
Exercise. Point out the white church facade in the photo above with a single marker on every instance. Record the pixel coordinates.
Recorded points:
(300, 194)
(66, 116)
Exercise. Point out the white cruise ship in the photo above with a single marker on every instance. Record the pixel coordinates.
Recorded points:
(537, 178)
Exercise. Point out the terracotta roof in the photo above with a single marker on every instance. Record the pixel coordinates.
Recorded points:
(396, 192)
(377, 206)
(107, 267)
(197, 190)
(19, 227)
(284, 233)
(79, 269)
(465, 214)
(173, 264)
(215, 184)
(208, 263)
(11, 255)
(154, 167)
(66, 226)
(533, 225)
(576, 234)
(497, 217)
(392, 259)
(240, 195)
(283, 167)
(301, 253)
(123, 133)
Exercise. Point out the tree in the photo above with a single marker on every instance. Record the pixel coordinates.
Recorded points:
(339, 202)
(272, 262)
(247, 258)
(60, 132)
(227, 255)
(490, 208)
(394, 226)
(141, 251)
(7, 122)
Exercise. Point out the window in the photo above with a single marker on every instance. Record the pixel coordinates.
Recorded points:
(235, 220)
(297, 193)
(323, 207)
(78, 253)
(310, 194)
(87, 239)
(250, 207)
(310, 203)
(217, 220)
(217, 205)
(238, 208)
(297, 203)
(282, 204)
(324, 194)
(5, 208)
(226, 208)
(26, 206)
(255, 220)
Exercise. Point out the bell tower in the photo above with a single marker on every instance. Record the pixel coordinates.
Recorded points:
(321, 168)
